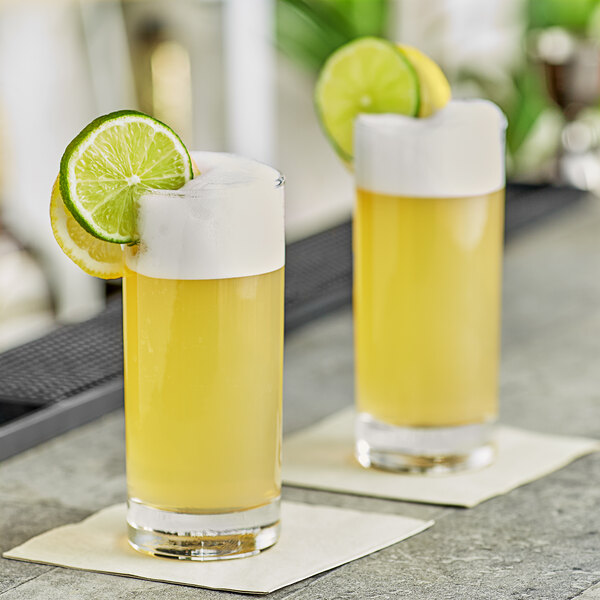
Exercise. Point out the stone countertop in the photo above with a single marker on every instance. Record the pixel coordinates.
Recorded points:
(539, 542)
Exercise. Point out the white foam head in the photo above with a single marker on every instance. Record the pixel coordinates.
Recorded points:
(458, 151)
(226, 222)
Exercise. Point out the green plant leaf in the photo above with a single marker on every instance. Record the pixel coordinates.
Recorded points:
(308, 31)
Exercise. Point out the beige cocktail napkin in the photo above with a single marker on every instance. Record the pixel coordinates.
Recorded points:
(321, 457)
(313, 539)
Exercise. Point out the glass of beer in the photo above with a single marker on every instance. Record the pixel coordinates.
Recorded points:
(428, 237)
(203, 333)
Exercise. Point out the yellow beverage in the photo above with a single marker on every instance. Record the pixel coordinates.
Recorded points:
(427, 307)
(203, 369)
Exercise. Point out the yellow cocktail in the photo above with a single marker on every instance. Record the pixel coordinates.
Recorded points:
(203, 364)
(203, 332)
(427, 308)
(428, 232)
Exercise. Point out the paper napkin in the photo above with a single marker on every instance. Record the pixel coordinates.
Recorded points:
(321, 457)
(313, 539)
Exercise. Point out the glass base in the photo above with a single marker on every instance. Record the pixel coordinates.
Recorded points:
(431, 450)
(202, 537)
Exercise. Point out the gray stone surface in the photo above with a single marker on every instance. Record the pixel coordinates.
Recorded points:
(592, 593)
(541, 541)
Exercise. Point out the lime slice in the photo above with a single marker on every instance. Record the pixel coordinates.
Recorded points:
(368, 75)
(94, 256)
(107, 167)
(435, 89)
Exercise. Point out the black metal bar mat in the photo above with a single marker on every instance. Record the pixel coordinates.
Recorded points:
(529, 204)
(75, 373)
(62, 380)
(65, 362)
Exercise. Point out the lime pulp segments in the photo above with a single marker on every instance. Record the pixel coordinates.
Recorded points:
(368, 75)
(107, 167)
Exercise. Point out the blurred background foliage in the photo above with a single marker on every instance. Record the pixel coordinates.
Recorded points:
(309, 30)
(574, 15)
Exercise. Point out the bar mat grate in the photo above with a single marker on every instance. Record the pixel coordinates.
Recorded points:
(65, 362)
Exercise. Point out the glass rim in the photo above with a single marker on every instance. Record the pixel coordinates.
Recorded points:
(279, 182)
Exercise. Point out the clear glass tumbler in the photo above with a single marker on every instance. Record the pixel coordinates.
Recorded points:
(428, 237)
(203, 332)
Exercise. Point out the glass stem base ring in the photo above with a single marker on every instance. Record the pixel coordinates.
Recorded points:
(202, 537)
(426, 450)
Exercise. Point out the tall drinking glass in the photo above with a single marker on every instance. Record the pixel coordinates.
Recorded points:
(203, 330)
(428, 232)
